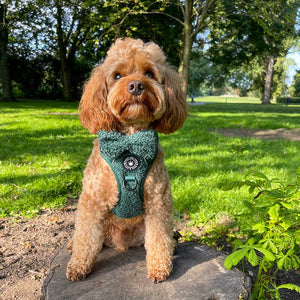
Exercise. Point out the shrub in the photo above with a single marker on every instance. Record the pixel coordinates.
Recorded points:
(274, 238)
(292, 100)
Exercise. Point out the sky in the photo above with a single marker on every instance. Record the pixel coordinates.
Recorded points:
(292, 70)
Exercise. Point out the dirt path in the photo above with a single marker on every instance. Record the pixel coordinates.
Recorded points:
(26, 248)
(289, 134)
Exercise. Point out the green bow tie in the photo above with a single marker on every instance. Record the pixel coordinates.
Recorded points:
(143, 143)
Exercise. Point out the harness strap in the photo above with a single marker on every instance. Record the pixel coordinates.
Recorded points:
(130, 170)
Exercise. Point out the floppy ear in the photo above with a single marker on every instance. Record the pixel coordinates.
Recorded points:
(176, 106)
(95, 115)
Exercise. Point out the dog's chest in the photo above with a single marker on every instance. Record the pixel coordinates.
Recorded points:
(130, 159)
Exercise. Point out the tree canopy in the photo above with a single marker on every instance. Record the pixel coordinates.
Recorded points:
(48, 48)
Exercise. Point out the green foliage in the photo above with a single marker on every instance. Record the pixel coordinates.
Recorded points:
(296, 84)
(240, 36)
(77, 34)
(274, 239)
(216, 229)
(203, 73)
(292, 100)
(188, 236)
(146, 20)
(43, 35)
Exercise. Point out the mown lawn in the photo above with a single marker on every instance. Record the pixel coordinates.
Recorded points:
(44, 150)
(205, 161)
(42, 155)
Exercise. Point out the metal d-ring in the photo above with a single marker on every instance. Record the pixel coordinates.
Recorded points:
(130, 189)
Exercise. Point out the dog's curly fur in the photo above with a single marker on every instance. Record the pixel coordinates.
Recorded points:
(107, 104)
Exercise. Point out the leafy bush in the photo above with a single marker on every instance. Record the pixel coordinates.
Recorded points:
(292, 100)
(273, 241)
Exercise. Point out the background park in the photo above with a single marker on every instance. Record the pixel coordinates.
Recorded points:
(234, 166)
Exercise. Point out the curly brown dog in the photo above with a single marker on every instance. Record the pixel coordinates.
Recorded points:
(133, 90)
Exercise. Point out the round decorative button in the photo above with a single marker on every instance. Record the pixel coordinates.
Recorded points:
(130, 163)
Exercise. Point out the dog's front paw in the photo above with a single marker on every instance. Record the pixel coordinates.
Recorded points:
(159, 272)
(76, 271)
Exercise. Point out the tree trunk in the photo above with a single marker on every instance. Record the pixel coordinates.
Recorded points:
(64, 61)
(268, 80)
(194, 18)
(67, 79)
(187, 46)
(4, 69)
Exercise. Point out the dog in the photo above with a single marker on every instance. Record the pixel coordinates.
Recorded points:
(134, 91)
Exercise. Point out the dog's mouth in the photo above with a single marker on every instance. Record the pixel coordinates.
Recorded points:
(148, 106)
(136, 103)
(136, 110)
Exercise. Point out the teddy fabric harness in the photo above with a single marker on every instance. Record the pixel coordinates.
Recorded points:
(130, 157)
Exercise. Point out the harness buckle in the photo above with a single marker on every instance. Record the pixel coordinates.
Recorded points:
(130, 179)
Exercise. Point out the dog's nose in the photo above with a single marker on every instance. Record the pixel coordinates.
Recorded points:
(135, 87)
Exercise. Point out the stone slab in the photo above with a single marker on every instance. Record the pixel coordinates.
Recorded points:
(198, 273)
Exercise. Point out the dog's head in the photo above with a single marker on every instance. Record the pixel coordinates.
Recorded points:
(133, 86)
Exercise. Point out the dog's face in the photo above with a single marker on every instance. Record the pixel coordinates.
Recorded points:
(134, 83)
(133, 86)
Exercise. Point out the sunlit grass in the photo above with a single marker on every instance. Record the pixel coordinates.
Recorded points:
(226, 99)
(201, 161)
(43, 155)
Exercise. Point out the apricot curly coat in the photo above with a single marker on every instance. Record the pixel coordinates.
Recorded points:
(133, 89)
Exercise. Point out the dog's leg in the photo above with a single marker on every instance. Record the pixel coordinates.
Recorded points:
(159, 242)
(88, 238)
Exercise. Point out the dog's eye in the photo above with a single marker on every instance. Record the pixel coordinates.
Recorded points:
(150, 74)
(117, 76)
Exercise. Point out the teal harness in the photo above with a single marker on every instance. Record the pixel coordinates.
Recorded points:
(130, 157)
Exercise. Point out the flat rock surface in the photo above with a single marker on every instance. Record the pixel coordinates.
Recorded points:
(198, 273)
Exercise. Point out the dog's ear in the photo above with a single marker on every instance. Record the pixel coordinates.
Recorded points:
(95, 115)
(176, 106)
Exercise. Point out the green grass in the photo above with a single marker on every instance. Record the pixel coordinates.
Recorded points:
(43, 155)
(201, 161)
(218, 99)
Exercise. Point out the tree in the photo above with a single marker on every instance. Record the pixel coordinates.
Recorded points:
(143, 19)
(195, 19)
(85, 28)
(278, 37)
(296, 84)
(78, 34)
(192, 15)
(4, 67)
(16, 38)
(69, 41)
(203, 73)
(256, 72)
(240, 81)
(73, 23)
(253, 32)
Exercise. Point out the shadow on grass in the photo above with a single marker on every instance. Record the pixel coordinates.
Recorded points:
(9, 107)
(31, 192)
(41, 165)
(245, 108)
(210, 118)
(40, 142)
(193, 154)
(200, 153)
